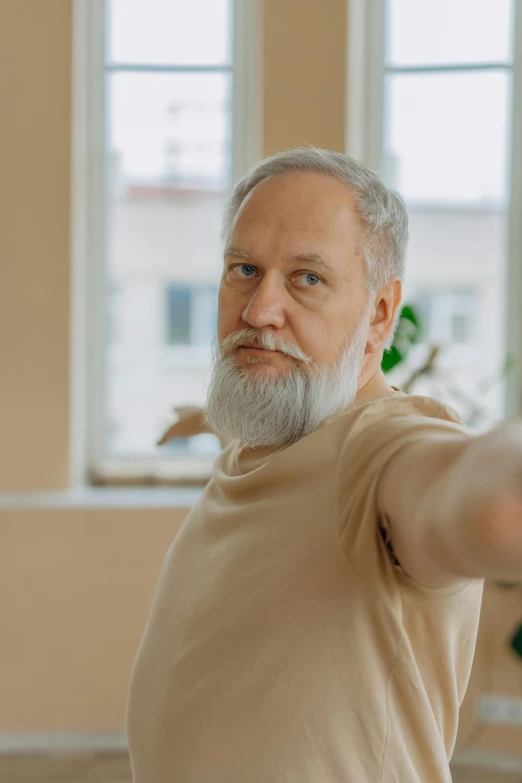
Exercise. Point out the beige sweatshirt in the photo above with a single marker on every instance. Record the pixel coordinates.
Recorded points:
(284, 643)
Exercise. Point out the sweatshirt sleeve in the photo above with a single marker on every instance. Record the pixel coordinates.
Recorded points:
(371, 443)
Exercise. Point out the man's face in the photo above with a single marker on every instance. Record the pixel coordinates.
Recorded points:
(294, 283)
(294, 268)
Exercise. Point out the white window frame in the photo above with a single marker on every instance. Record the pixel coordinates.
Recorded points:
(88, 462)
(364, 130)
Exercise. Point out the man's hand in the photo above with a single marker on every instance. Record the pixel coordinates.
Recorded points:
(455, 507)
(484, 487)
(502, 524)
(190, 421)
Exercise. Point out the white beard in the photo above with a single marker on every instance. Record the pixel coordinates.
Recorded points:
(259, 410)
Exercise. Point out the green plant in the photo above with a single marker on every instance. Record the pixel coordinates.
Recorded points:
(408, 333)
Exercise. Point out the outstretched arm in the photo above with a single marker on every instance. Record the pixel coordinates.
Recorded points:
(454, 506)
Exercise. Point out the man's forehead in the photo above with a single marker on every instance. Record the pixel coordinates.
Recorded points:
(320, 244)
(322, 209)
(303, 187)
(301, 235)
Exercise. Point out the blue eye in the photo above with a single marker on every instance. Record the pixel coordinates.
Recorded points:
(309, 275)
(246, 266)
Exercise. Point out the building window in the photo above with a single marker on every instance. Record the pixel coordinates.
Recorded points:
(178, 316)
(448, 317)
(191, 315)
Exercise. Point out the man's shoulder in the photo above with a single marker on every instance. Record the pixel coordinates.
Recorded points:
(401, 404)
(388, 417)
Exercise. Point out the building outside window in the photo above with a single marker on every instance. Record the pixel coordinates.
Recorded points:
(170, 124)
(449, 317)
(439, 100)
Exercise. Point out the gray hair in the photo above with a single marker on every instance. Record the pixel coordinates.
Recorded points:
(382, 210)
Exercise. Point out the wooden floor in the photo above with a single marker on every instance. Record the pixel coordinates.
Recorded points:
(115, 768)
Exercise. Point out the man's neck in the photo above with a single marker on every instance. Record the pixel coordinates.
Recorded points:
(374, 388)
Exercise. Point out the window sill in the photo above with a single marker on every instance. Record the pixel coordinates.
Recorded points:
(103, 497)
(183, 472)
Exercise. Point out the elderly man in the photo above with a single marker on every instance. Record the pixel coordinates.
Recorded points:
(316, 616)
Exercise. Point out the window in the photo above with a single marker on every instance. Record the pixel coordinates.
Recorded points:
(440, 105)
(178, 316)
(166, 122)
(191, 315)
(448, 317)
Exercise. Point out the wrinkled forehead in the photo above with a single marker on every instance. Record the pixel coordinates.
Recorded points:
(299, 213)
(301, 197)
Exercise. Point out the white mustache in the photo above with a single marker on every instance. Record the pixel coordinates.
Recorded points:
(268, 341)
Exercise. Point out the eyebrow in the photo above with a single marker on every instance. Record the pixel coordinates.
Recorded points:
(234, 251)
(313, 258)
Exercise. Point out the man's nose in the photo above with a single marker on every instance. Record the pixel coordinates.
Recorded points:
(266, 306)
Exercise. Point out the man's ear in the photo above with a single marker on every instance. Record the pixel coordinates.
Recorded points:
(386, 304)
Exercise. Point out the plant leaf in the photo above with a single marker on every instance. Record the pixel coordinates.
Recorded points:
(409, 332)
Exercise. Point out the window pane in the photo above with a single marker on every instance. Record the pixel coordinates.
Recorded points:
(455, 278)
(170, 127)
(170, 32)
(446, 150)
(169, 163)
(436, 32)
(446, 136)
(178, 315)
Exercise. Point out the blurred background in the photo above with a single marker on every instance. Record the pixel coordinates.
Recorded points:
(124, 125)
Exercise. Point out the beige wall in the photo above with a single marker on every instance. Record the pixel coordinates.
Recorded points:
(304, 73)
(76, 584)
(75, 591)
(35, 46)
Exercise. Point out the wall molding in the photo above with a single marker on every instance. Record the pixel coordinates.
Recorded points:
(116, 742)
(63, 742)
(487, 760)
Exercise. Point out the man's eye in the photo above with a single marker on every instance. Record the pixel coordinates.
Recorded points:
(310, 279)
(248, 269)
